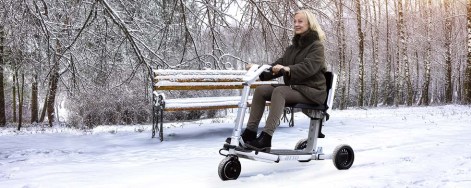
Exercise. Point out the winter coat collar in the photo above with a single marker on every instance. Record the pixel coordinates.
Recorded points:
(305, 40)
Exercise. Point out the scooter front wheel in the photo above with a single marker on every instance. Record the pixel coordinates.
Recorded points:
(343, 157)
(229, 168)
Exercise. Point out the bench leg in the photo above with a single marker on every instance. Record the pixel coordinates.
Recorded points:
(155, 121)
(288, 110)
(161, 130)
(291, 121)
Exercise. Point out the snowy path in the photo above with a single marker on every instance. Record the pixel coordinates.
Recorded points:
(394, 147)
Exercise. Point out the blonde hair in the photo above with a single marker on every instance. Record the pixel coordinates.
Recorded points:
(313, 23)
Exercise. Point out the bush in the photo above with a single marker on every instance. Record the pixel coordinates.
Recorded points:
(115, 107)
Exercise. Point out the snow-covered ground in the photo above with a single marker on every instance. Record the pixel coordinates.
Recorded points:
(394, 147)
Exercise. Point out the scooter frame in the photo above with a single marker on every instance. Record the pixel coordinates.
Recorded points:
(305, 150)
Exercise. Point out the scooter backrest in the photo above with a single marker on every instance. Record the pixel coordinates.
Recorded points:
(330, 79)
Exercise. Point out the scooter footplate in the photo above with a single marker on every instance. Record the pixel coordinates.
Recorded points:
(243, 149)
(288, 152)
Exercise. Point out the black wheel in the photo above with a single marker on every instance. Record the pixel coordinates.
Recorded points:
(229, 168)
(343, 157)
(301, 144)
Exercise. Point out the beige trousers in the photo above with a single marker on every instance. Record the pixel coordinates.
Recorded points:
(279, 97)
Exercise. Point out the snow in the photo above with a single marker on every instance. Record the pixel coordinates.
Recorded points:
(190, 73)
(394, 147)
(196, 77)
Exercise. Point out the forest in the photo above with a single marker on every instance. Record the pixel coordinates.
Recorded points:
(94, 58)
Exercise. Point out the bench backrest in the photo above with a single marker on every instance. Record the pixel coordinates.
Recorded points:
(200, 79)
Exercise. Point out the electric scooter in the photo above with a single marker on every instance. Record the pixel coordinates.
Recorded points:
(304, 151)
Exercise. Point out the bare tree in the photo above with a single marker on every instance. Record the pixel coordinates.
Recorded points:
(404, 53)
(467, 82)
(342, 45)
(361, 48)
(3, 119)
(398, 77)
(425, 88)
(53, 83)
(20, 99)
(13, 89)
(375, 50)
(387, 93)
(448, 66)
(34, 98)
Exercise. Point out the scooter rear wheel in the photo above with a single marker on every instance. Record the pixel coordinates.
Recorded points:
(343, 157)
(301, 144)
(229, 168)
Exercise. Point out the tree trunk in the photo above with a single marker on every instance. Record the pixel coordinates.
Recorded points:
(3, 120)
(398, 79)
(20, 99)
(388, 93)
(44, 109)
(374, 46)
(361, 74)
(448, 68)
(34, 99)
(460, 83)
(342, 45)
(53, 80)
(467, 77)
(425, 99)
(15, 73)
(417, 75)
(404, 54)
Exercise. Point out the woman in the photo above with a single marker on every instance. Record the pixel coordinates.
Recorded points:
(304, 66)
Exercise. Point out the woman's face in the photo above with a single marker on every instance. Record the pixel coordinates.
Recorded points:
(301, 24)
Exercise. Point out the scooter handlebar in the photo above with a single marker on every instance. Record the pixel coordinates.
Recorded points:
(253, 74)
(268, 75)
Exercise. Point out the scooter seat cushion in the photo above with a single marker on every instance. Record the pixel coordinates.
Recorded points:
(308, 106)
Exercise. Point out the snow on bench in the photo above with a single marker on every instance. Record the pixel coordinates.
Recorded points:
(196, 80)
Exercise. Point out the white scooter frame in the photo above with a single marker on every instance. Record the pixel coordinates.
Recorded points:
(305, 150)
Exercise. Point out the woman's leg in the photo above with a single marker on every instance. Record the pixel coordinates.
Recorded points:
(281, 96)
(262, 94)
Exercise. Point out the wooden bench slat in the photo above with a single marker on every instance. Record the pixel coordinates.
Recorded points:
(204, 103)
(204, 100)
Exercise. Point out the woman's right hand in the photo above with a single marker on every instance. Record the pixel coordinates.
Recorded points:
(248, 66)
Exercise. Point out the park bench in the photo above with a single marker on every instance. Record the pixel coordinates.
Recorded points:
(196, 80)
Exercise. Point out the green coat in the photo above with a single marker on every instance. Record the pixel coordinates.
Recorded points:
(306, 61)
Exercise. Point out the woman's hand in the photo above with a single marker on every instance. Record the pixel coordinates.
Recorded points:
(248, 66)
(275, 69)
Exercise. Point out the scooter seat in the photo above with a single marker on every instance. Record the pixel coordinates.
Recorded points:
(308, 106)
